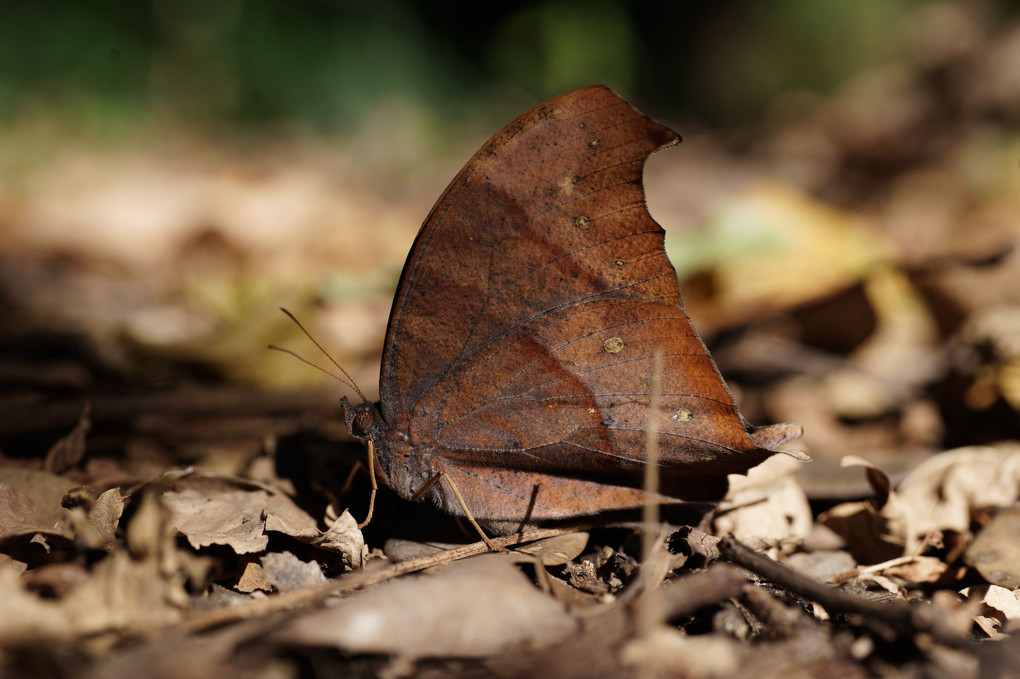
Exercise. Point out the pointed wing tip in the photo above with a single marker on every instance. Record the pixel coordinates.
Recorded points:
(774, 435)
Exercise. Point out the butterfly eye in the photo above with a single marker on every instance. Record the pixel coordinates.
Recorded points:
(362, 421)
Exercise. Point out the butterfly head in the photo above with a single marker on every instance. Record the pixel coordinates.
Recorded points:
(364, 421)
(400, 467)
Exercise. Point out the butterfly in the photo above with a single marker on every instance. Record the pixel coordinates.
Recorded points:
(518, 356)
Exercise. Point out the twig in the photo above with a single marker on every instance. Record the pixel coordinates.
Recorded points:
(710, 587)
(357, 580)
(912, 619)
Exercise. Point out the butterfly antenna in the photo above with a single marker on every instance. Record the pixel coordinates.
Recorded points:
(304, 360)
(346, 379)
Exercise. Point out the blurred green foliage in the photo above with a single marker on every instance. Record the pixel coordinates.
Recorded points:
(327, 64)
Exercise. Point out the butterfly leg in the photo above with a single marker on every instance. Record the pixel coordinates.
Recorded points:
(358, 464)
(463, 505)
(426, 488)
(470, 517)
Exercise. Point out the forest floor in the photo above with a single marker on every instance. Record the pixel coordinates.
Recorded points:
(177, 500)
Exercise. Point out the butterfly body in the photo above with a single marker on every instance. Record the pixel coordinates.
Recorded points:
(518, 355)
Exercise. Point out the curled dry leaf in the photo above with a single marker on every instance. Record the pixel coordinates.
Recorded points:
(875, 530)
(1000, 606)
(768, 506)
(474, 608)
(104, 516)
(345, 538)
(1003, 600)
(696, 543)
(915, 569)
(97, 529)
(940, 494)
(241, 520)
(943, 492)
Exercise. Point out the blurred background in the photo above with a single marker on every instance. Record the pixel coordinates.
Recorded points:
(842, 213)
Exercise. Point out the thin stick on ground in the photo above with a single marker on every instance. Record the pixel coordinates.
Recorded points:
(902, 618)
(359, 579)
(651, 481)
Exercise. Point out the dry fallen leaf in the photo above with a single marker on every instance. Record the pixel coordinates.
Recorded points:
(875, 530)
(17, 514)
(995, 552)
(283, 516)
(206, 514)
(557, 550)
(769, 507)
(33, 500)
(232, 518)
(127, 593)
(345, 538)
(478, 607)
(97, 528)
(253, 578)
(943, 492)
(1000, 606)
(104, 516)
(286, 572)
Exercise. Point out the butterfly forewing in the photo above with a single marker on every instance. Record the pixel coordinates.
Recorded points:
(508, 238)
(528, 311)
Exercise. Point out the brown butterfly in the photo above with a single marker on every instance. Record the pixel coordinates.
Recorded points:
(518, 356)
